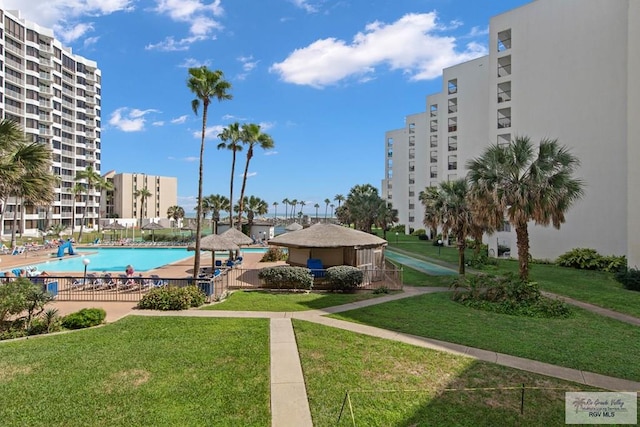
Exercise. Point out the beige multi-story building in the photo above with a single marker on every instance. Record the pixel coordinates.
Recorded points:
(55, 97)
(555, 69)
(124, 201)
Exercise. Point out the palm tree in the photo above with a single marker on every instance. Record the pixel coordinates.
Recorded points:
(275, 210)
(230, 137)
(252, 135)
(326, 208)
(254, 206)
(302, 204)
(217, 203)
(332, 206)
(91, 177)
(206, 85)
(362, 206)
(429, 197)
(294, 203)
(454, 214)
(385, 217)
(77, 190)
(339, 198)
(143, 193)
(285, 202)
(526, 184)
(317, 206)
(102, 185)
(176, 213)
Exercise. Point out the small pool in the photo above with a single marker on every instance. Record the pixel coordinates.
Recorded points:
(115, 259)
(420, 265)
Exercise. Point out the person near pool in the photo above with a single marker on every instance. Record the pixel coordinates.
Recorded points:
(129, 271)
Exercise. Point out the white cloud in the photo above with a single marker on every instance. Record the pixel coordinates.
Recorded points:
(202, 20)
(191, 159)
(129, 120)
(249, 175)
(194, 63)
(270, 153)
(179, 120)
(158, 123)
(305, 5)
(412, 44)
(248, 65)
(65, 17)
(210, 133)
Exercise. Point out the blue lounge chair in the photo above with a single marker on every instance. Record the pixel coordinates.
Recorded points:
(315, 265)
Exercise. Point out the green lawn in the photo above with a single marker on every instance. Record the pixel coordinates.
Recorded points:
(394, 384)
(586, 341)
(140, 371)
(286, 301)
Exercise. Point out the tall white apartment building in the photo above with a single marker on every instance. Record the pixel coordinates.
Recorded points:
(555, 69)
(122, 201)
(55, 97)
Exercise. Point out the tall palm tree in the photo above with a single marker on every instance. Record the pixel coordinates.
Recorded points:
(339, 198)
(526, 184)
(429, 197)
(294, 203)
(454, 214)
(103, 185)
(275, 210)
(326, 208)
(362, 206)
(254, 206)
(252, 135)
(78, 190)
(332, 206)
(144, 194)
(285, 202)
(90, 177)
(230, 137)
(206, 85)
(385, 217)
(302, 204)
(317, 206)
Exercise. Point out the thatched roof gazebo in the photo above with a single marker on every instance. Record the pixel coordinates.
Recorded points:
(294, 226)
(333, 245)
(213, 243)
(237, 236)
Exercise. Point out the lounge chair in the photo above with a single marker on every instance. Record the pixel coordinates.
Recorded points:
(17, 250)
(157, 281)
(316, 267)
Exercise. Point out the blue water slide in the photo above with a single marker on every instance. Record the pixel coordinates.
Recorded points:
(68, 246)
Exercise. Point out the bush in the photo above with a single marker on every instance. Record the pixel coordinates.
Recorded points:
(630, 278)
(507, 295)
(172, 298)
(286, 277)
(85, 318)
(590, 259)
(344, 277)
(274, 254)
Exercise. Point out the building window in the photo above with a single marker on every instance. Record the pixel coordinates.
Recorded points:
(504, 92)
(504, 118)
(504, 139)
(389, 142)
(433, 172)
(452, 86)
(433, 126)
(453, 124)
(434, 157)
(433, 110)
(453, 106)
(452, 162)
(504, 40)
(433, 141)
(412, 128)
(452, 144)
(504, 66)
(412, 141)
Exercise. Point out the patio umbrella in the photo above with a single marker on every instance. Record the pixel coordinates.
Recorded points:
(213, 243)
(153, 226)
(114, 226)
(294, 226)
(237, 237)
(189, 227)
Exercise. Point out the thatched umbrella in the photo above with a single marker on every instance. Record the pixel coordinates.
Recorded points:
(294, 226)
(323, 235)
(188, 227)
(153, 226)
(213, 243)
(237, 236)
(114, 226)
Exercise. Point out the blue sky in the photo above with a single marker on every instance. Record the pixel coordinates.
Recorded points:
(326, 79)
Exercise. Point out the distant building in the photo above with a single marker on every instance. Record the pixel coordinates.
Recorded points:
(55, 96)
(121, 202)
(555, 69)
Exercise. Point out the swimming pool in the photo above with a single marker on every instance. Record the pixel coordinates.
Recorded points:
(115, 259)
(420, 265)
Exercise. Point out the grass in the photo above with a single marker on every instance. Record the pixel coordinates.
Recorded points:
(286, 301)
(140, 371)
(585, 341)
(394, 384)
(594, 287)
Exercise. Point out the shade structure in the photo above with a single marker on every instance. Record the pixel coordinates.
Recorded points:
(294, 226)
(213, 243)
(237, 237)
(323, 235)
(153, 226)
(113, 226)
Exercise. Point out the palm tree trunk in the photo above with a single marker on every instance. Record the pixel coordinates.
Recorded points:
(462, 245)
(522, 239)
(196, 258)
(233, 168)
(244, 184)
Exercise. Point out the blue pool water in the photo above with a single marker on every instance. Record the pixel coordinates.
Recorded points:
(117, 259)
(420, 265)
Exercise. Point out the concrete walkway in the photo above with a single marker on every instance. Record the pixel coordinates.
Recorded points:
(289, 404)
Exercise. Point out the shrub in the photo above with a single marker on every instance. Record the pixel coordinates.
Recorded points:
(286, 277)
(172, 298)
(630, 278)
(381, 290)
(85, 318)
(274, 254)
(419, 232)
(344, 277)
(506, 295)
